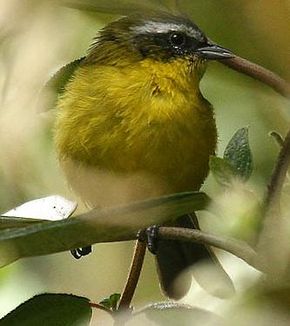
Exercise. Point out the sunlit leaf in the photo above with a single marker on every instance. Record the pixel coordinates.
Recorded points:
(103, 225)
(238, 154)
(51, 208)
(50, 310)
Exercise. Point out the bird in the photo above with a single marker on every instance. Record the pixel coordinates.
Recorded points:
(132, 123)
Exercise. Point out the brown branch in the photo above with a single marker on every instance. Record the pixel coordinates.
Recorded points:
(260, 73)
(269, 247)
(279, 173)
(235, 247)
(279, 139)
(133, 277)
(101, 307)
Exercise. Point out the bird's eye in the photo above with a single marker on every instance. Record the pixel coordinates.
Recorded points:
(177, 39)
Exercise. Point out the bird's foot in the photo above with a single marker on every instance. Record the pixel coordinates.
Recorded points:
(150, 236)
(80, 252)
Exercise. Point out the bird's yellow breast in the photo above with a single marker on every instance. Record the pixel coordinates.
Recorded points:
(143, 126)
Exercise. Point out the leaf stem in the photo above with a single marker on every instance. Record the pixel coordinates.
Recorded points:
(133, 277)
(101, 307)
(260, 73)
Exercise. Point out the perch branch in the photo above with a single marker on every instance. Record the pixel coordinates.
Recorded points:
(235, 247)
(260, 73)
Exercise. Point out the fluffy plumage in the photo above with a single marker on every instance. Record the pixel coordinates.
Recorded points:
(132, 123)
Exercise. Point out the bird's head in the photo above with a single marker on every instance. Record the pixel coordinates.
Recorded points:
(161, 37)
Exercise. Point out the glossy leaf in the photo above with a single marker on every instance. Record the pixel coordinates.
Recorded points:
(50, 310)
(102, 225)
(238, 154)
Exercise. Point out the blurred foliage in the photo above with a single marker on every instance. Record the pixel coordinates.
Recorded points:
(167, 314)
(37, 38)
(26, 238)
(52, 309)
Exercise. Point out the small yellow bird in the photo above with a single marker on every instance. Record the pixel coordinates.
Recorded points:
(132, 123)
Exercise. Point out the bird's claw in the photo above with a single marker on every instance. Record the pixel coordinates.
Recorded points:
(80, 252)
(150, 236)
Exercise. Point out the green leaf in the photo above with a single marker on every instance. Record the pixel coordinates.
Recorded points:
(111, 302)
(50, 310)
(16, 222)
(222, 170)
(102, 225)
(238, 154)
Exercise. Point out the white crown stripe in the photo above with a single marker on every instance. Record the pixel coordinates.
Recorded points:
(160, 27)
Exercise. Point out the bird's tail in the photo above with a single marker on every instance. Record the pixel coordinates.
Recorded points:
(174, 257)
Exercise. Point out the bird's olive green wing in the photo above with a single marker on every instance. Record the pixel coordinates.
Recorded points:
(56, 84)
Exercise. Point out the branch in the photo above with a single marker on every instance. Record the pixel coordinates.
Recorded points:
(38, 237)
(279, 173)
(236, 247)
(101, 307)
(278, 138)
(260, 73)
(111, 225)
(268, 247)
(133, 277)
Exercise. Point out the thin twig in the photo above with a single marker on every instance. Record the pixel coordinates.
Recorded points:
(101, 307)
(133, 277)
(279, 139)
(236, 247)
(260, 73)
(279, 173)
(268, 247)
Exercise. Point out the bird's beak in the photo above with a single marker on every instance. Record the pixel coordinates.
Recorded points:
(214, 52)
